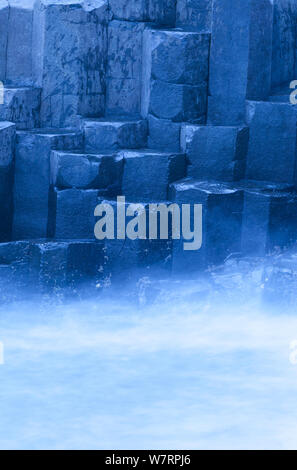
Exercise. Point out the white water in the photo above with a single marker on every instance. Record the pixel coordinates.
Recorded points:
(181, 373)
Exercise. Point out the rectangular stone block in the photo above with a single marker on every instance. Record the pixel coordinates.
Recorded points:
(159, 11)
(82, 171)
(175, 74)
(239, 68)
(7, 149)
(124, 64)
(71, 213)
(269, 217)
(194, 14)
(111, 135)
(215, 152)
(147, 174)
(32, 178)
(221, 223)
(272, 143)
(163, 134)
(70, 47)
(21, 106)
(283, 67)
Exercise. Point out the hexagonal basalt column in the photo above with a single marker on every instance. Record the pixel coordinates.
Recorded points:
(123, 95)
(221, 222)
(215, 152)
(7, 144)
(70, 41)
(272, 143)
(16, 18)
(175, 75)
(239, 68)
(32, 178)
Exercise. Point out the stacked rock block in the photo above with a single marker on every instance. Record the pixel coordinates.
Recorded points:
(181, 101)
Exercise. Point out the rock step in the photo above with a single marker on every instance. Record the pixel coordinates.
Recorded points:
(101, 135)
(247, 217)
(21, 106)
(215, 152)
(222, 208)
(140, 176)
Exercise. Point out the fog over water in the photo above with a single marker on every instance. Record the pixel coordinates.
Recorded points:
(198, 364)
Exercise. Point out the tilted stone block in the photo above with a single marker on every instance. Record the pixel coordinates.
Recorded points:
(159, 11)
(111, 135)
(163, 134)
(147, 174)
(175, 73)
(21, 106)
(32, 178)
(71, 213)
(283, 67)
(239, 68)
(215, 152)
(124, 64)
(7, 148)
(272, 143)
(70, 47)
(269, 217)
(221, 222)
(194, 14)
(75, 170)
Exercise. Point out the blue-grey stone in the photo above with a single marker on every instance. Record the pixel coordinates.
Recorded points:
(175, 74)
(272, 143)
(4, 14)
(101, 135)
(56, 265)
(215, 152)
(7, 148)
(71, 213)
(125, 257)
(194, 14)
(163, 134)
(159, 11)
(269, 217)
(283, 67)
(82, 171)
(21, 106)
(18, 52)
(32, 178)
(177, 102)
(70, 41)
(148, 173)
(239, 68)
(124, 64)
(221, 223)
